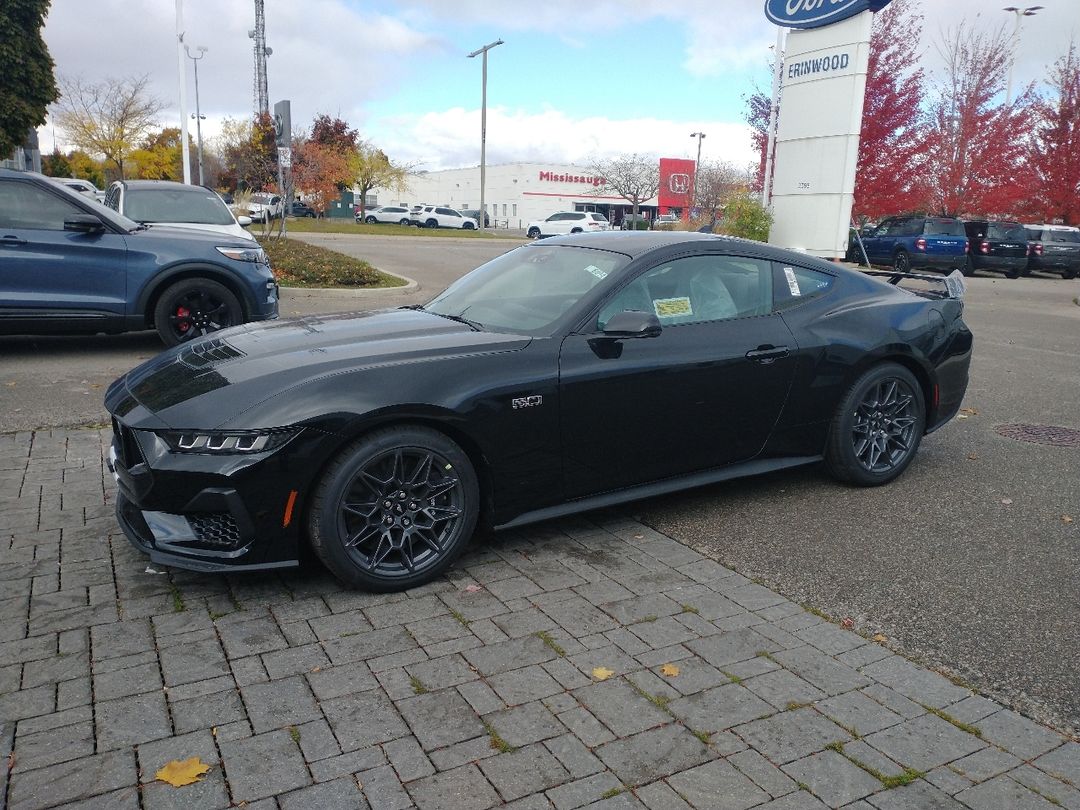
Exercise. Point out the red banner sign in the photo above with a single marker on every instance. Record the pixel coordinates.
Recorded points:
(676, 183)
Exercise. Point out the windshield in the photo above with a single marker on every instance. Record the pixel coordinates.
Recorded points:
(1006, 230)
(528, 289)
(195, 205)
(944, 227)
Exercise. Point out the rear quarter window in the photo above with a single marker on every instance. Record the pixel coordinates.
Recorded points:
(794, 285)
(944, 227)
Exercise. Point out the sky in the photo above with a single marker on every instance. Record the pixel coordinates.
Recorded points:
(574, 81)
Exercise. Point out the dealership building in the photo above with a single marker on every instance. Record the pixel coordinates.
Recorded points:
(516, 193)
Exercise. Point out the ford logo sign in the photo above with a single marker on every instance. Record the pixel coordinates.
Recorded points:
(816, 13)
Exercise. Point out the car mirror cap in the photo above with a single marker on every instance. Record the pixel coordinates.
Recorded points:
(83, 223)
(632, 324)
(243, 221)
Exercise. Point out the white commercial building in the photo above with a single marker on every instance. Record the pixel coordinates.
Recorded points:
(514, 193)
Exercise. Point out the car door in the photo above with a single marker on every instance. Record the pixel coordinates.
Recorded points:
(555, 225)
(51, 274)
(449, 218)
(703, 393)
(875, 242)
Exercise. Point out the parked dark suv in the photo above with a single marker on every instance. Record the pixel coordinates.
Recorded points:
(998, 246)
(918, 242)
(1054, 249)
(69, 264)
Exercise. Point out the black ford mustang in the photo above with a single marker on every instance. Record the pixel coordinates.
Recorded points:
(569, 374)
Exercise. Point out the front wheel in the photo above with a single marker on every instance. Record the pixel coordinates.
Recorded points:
(195, 307)
(534, 233)
(395, 509)
(969, 268)
(877, 427)
(467, 226)
(371, 220)
(403, 221)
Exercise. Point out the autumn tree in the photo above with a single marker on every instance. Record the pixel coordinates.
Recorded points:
(334, 133)
(86, 167)
(635, 178)
(891, 176)
(28, 86)
(1055, 146)
(107, 118)
(248, 151)
(976, 148)
(756, 115)
(55, 165)
(718, 182)
(319, 170)
(371, 168)
(158, 157)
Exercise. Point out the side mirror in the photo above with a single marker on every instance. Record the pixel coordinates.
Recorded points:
(243, 221)
(868, 231)
(83, 223)
(633, 324)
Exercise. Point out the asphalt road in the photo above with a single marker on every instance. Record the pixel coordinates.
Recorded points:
(965, 563)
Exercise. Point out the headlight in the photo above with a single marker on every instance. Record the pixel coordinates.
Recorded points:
(243, 254)
(222, 443)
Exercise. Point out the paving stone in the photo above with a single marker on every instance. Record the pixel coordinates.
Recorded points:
(299, 610)
(37, 750)
(339, 681)
(583, 791)
(782, 688)
(473, 606)
(363, 759)
(131, 720)
(653, 754)
(121, 638)
(252, 637)
(638, 608)
(1053, 789)
(1003, 792)
(408, 610)
(339, 625)
(620, 707)
(54, 670)
(408, 759)
(660, 796)
(586, 727)
(832, 778)
(209, 793)
(830, 639)
(531, 769)
(125, 682)
(317, 741)
(440, 719)
(579, 616)
(821, 670)
(894, 701)
(373, 644)
(363, 719)
(59, 719)
(155, 755)
(454, 756)
(69, 781)
(924, 743)
(192, 662)
(717, 784)
(863, 754)
(754, 597)
(525, 622)
(972, 709)
(919, 796)
(603, 591)
(294, 661)
(1062, 763)
(861, 656)
(463, 788)
(626, 641)
(792, 735)
(246, 766)
(662, 632)
(914, 682)
(947, 780)
(436, 630)
(382, 789)
(526, 724)
(71, 693)
(985, 764)
(729, 648)
(507, 655)
(207, 711)
(341, 793)
(123, 799)
(720, 708)
(524, 685)
(440, 673)
(1018, 735)
(515, 587)
(569, 676)
(481, 697)
(276, 704)
(573, 755)
(608, 657)
(856, 711)
(762, 773)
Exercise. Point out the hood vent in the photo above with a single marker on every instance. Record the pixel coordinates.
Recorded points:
(209, 353)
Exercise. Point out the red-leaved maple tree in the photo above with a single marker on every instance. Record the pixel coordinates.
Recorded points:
(1055, 147)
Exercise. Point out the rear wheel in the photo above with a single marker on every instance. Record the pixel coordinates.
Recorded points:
(969, 267)
(902, 262)
(195, 307)
(1012, 273)
(431, 223)
(1067, 274)
(395, 509)
(877, 427)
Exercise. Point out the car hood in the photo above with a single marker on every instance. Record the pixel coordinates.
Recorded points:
(211, 382)
(209, 239)
(234, 229)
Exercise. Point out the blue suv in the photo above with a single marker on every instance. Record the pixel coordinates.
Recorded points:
(917, 243)
(70, 265)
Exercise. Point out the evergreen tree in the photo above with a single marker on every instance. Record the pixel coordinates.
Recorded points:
(27, 84)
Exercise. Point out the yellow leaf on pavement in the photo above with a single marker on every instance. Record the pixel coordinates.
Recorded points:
(182, 772)
(881, 638)
(1066, 519)
(602, 673)
(670, 670)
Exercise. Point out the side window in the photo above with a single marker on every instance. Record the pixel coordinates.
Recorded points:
(112, 198)
(696, 289)
(793, 285)
(446, 212)
(911, 227)
(554, 218)
(23, 205)
(885, 228)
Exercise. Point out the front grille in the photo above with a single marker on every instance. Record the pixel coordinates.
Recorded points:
(215, 529)
(128, 451)
(208, 353)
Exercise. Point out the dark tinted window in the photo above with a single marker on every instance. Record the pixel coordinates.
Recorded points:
(944, 227)
(1008, 231)
(1033, 234)
(172, 204)
(793, 285)
(1070, 237)
(25, 206)
(975, 230)
(446, 212)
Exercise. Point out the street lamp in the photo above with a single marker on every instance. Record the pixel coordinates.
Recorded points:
(1030, 11)
(483, 128)
(697, 164)
(197, 115)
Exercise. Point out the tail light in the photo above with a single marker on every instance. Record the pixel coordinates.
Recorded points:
(984, 247)
(1037, 248)
(1027, 251)
(967, 247)
(920, 244)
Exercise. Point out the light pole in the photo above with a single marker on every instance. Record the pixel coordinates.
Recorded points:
(1030, 11)
(183, 90)
(197, 115)
(483, 128)
(697, 165)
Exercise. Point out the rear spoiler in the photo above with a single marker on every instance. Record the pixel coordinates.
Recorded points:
(953, 283)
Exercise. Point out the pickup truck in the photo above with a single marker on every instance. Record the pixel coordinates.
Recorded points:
(918, 243)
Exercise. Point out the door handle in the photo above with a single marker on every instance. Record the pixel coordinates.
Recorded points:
(11, 240)
(767, 354)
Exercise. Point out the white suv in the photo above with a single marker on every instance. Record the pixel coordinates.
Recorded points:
(263, 205)
(387, 213)
(568, 222)
(435, 216)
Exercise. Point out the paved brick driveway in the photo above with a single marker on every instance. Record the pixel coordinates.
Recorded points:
(477, 690)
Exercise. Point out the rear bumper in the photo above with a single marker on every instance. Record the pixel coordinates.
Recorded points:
(1053, 264)
(1000, 264)
(943, 263)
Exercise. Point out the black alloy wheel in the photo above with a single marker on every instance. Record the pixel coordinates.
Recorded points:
(534, 233)
(371, 220)
(195, 307)
(395, 509)
(468, 226)
(431, 223)
(403, 221)
(877, 428)
(902, 262)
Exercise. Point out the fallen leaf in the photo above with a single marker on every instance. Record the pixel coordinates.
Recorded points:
(670, 670)
(1066, 519)
(969, 411)
(214, 731)
(881, 638)
(182, 772)
(602, 673)
(973, 456)
(473, 588)
(639, 537)
(961, 416)
(847, 623)
(1006, 501)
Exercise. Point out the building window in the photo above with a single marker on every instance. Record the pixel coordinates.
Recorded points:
(515, 209)
(504, 209)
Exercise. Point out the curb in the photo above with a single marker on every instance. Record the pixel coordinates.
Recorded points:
(410, 286)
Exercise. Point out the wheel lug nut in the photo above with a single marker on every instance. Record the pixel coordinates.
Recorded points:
(387, 504)
(414, 505)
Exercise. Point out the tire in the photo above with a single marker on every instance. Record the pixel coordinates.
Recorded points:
(389, 495)
(370, 220)
(1012, 274)
(576, 230)
(969, 268)
(195, 307)
(1068, 274)
(534, 233)
(431, 223)
(403, 221)
(902, 262)
(885, 404)
(467, 226)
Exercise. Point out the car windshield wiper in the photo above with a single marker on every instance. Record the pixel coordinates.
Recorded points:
(476, 327)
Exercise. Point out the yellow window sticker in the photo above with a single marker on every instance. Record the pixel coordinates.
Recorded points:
(672, 307)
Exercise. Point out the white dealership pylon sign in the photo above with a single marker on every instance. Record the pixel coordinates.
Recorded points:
(817, 140)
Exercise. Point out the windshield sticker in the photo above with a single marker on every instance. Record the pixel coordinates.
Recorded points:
(672, 307)
(792, 282)
(596, 271)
